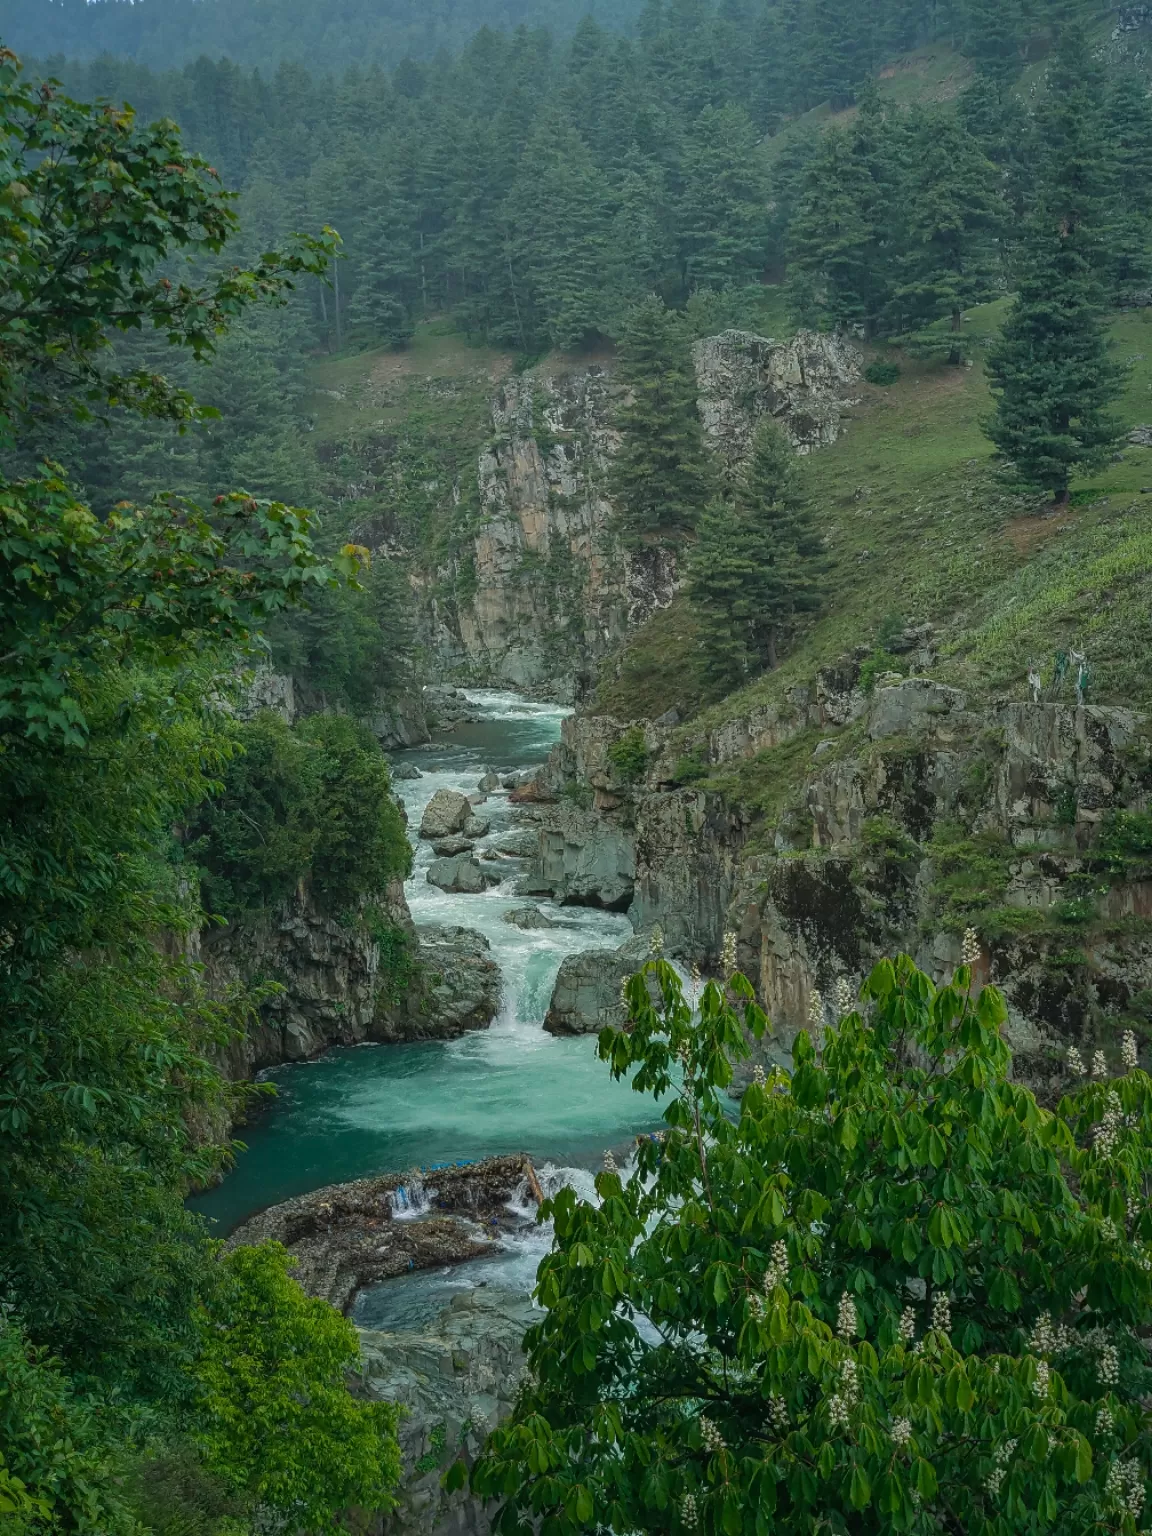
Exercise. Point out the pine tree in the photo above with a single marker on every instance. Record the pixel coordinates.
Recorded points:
(840, 243)
(661, 478)
(723, 214)
(1051, 374)
(994, 31)
(559, 212)
(952, 214)
(1128, 116)
(757, 564)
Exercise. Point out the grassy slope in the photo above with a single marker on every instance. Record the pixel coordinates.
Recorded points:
(919, 526)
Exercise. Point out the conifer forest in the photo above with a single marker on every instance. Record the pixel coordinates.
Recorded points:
(575, 768)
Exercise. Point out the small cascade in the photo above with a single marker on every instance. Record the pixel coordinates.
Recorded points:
(410, 1200)
(508, 1088)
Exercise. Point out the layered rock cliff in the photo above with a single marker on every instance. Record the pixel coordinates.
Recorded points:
(544, 590)
(341, 981)
(887, 821)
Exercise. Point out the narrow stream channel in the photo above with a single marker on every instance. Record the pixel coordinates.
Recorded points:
(509, 1088)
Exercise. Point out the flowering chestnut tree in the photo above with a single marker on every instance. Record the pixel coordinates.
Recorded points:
(892, 1293)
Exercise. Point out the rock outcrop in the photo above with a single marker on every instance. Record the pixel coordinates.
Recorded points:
(345, 1236)
(551, 590)
(586, 997)
(456, 987)
(337, 987)
(457, 1378)
(802, 383)
(583, 860)
(914, 814)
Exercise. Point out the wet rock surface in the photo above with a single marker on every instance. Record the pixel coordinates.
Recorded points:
(347, 1236)
(529, 919)
(445, 814)
(586, 997)
(449, 847)
(461, 875)
(457, 1378)
(457, 988)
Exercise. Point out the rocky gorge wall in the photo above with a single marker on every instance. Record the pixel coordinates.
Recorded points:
(548, 589)
(902, 816)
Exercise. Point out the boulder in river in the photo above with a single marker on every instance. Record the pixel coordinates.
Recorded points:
(445, 813)
(401, 772)
(528, 918)
(458, 989)
(343, 1237)
(461, 875)
(489, 782)
(477, 826)
(448, 847)
(586, 996)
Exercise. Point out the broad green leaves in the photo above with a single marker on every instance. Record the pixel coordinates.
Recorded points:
(849, 1292)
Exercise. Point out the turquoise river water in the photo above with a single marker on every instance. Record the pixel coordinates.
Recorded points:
(509, 1088)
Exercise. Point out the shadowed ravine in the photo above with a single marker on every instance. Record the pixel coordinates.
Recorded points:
(511, 1087)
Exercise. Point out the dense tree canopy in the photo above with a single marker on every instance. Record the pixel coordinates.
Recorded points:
(535, 188)
(892, 1294)
(124, 638)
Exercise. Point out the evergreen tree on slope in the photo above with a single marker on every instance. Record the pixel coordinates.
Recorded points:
(952, 213)
(661, 478)
(840, 256)
(1128, 115)
(1051, 374)
(723, 214)
(757, 564)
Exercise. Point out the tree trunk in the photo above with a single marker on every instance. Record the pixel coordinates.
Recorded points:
(773, 657)
(1060, 496)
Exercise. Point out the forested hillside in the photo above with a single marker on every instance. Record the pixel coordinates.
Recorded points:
(772, 381)
(533, 189)
(358, 33)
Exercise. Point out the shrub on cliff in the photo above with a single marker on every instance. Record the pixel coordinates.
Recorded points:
(311, 802)
(892, 1294)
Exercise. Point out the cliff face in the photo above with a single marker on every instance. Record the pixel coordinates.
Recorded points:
(547, 589)
(342, 982)
(900, 819)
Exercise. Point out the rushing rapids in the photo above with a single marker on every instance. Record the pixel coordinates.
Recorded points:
(372, 1109)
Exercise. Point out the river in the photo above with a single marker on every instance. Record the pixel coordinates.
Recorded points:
(509, 1088)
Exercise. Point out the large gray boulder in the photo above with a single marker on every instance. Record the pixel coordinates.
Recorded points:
(528, 919)
(457, 1379)
(449, 847)
(586, 996)
(454, 987)
(477, 826)
(445, 813)
(461, 875)
(461, 980)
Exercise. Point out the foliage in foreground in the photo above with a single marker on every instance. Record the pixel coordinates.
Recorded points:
(276, 1421)
(892, 1295)
(123, 637)
(311, 802)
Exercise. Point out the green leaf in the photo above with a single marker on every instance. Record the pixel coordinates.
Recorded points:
(860, 1490)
